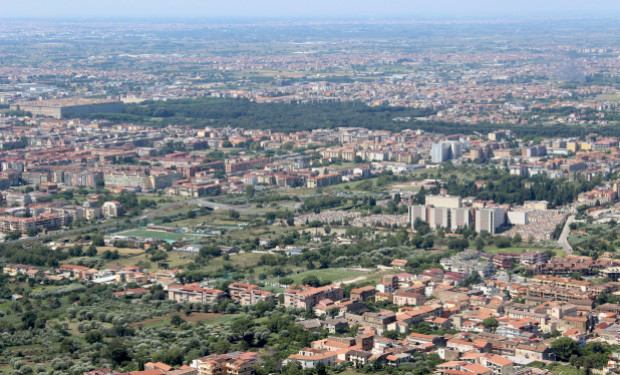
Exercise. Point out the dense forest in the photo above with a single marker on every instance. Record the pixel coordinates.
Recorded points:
(506, 188)
(288, 117)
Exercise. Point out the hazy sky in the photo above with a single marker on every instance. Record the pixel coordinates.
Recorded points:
(308, 8)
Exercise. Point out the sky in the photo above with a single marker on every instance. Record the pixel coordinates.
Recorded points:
(316, 9)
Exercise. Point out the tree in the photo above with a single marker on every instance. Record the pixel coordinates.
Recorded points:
(564, 348)
(28, 319)
(176, 320)
(93, 336)
(517, 239)
(97, 240)
(91, 251)
(250, 191)
(458, 244)
(473, 279)
(311, 280)
(32, 232)
(479, 243)
(234, 214)
(13, 235)
(68, 345)
(502, 242)
(490, 324)
(171, 356)
(117, 352)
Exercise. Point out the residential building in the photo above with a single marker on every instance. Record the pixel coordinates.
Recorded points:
(304, 297)
(194, 293)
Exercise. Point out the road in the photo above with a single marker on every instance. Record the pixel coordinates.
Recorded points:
(563, 240)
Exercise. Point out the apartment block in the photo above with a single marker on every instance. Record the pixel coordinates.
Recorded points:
(489, 219)
(325, 180)
(236, 363)
(44, 222)
(194, 293)
(304, 297)
(248, 294)
(241, 166)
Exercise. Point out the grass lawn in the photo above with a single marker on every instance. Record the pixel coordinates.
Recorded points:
(122, 251)
(559, 369)
(175, 260)
(5, 306)
(328, 275)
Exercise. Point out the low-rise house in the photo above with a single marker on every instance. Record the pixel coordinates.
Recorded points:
(497, 364)
(576, 335)
(309, 359)
(537, 352)
(513, 328)
(464, 346)
(403, 298)
(18, 269)
(363, 293)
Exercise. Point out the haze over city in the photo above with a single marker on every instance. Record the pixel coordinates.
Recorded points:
(310, 9)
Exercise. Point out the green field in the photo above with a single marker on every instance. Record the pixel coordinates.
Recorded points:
(328, 275)
(157, 235)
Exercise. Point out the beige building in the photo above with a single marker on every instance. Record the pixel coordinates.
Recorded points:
(194, 293)
(111, 209)
(304, 297)
(69, 107)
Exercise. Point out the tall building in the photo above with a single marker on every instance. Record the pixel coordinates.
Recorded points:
(456, 149)
(417, 212)
(447, 201)
(459, 218)
(440, 152)
(439, 217)
(489, 219)
(445, 151)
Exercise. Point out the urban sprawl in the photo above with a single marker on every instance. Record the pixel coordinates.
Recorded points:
(442, 203)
